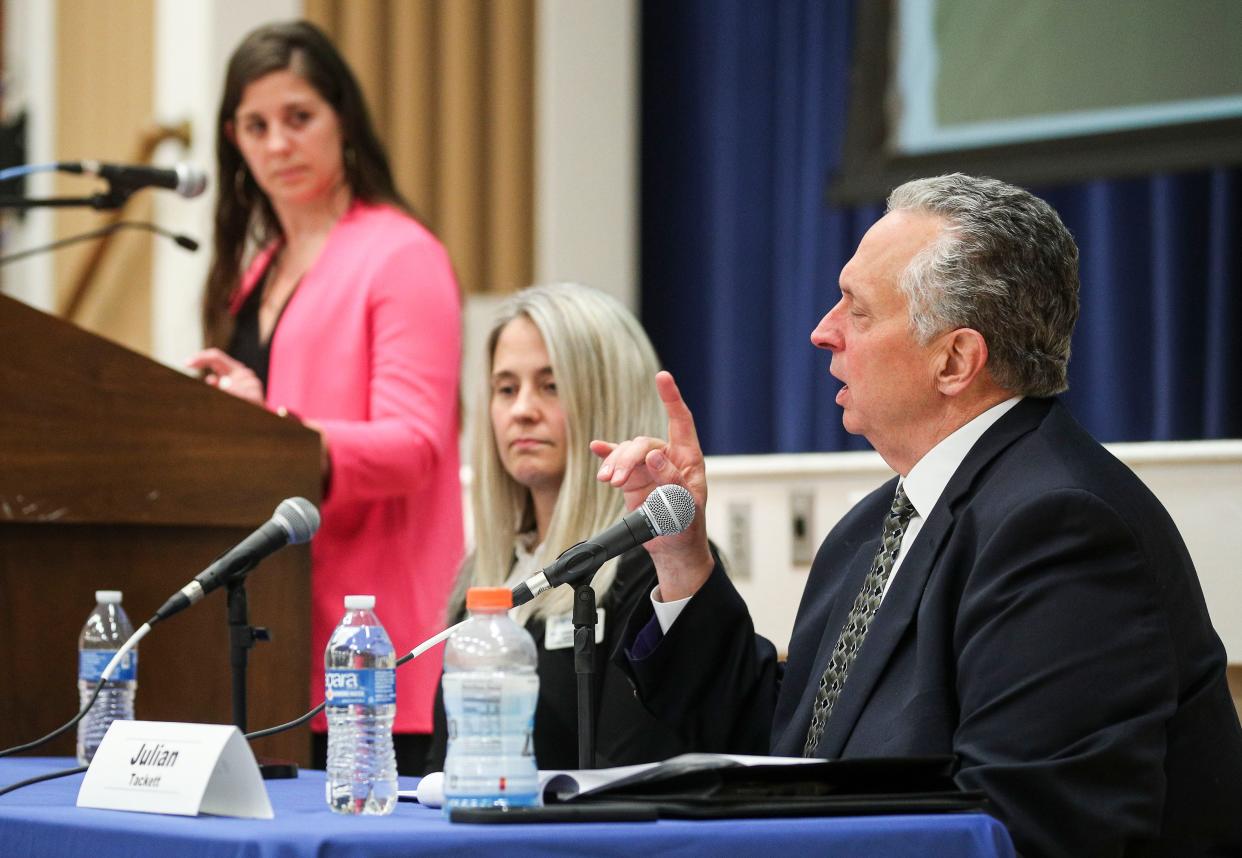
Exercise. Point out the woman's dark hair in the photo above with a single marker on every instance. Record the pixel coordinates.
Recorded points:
(242, 209)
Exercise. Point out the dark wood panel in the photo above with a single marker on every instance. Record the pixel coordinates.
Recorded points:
(94, 433)
(48, 577)
(119, 473)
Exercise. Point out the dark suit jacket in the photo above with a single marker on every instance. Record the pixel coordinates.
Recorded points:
(1046, 626)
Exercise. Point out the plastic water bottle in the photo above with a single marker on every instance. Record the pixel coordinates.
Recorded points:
(360, 689)
(106, 629)
(490, 690)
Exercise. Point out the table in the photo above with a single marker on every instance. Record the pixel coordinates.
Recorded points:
(43, 820)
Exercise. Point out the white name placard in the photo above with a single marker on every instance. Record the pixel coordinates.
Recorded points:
(170, 767)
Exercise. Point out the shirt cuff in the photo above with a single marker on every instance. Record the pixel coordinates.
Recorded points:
(666, 613)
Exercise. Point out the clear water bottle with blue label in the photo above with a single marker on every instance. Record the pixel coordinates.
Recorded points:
(360, 690)
(106, 629)
(490, 690)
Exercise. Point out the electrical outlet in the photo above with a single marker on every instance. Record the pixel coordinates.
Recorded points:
(802, 527)
(738, 547)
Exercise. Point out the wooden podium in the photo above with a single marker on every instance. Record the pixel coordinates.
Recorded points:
(117, 473)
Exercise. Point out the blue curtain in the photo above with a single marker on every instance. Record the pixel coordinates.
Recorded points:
(743, 111)
(1156, 352)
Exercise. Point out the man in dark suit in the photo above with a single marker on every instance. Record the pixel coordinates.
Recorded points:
(1016, 597)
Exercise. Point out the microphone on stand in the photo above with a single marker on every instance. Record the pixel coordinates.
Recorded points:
(667, 510)
(186, 179)
(294, 521)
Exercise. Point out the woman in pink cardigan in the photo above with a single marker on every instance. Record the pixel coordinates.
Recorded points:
(348, 318)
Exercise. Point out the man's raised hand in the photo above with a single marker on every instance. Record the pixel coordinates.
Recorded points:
(683, 562)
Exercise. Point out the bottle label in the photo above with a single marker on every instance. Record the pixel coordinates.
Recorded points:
(492, 708)
(491, 753)
(377, 687)
(91, 663)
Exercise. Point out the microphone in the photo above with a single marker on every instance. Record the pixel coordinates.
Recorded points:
(186, 179)
(667, 510)
(294, 522)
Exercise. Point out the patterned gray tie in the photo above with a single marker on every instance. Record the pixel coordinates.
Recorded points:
(859, 620)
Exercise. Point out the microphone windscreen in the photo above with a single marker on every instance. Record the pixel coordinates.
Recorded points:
(191, 180)
(298, 517)
(670, 509)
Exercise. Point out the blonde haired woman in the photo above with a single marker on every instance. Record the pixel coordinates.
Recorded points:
(565, 364)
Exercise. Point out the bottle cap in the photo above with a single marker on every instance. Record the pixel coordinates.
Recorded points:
(359, 603)
(489, 599)
(108, 597)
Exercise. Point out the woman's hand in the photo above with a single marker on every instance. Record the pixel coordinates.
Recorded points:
(228, 374)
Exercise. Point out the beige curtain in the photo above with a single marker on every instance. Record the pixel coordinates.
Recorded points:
(450, 85)
(104, 98)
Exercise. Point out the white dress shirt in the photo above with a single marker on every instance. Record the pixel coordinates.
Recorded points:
(924, 485)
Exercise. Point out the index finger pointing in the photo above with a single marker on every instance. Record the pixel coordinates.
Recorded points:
(602, 448)
(681, 431)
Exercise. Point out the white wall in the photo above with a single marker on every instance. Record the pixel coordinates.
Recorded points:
(586, 175)
(193, 41)
(30, 85)
(586, 162)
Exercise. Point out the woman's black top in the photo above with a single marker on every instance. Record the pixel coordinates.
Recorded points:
(245, 345)
(625, 733)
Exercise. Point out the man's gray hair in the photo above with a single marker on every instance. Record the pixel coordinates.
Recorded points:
(1005, 266)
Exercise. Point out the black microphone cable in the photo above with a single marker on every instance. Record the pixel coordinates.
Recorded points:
(296, 518)
(257, 734)
(179, 239)
(103, 677)
(307, 522)
(302, 719)
(38, 779)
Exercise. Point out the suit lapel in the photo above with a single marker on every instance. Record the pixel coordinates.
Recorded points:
(902, 601)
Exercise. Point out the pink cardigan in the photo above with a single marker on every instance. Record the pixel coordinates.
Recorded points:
(369, 348)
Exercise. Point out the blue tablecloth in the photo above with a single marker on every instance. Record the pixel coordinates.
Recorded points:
(43, 820)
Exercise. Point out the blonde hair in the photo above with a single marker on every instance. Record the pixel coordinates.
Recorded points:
(604, 367)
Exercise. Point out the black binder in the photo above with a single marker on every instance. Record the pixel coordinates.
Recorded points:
(708, 786)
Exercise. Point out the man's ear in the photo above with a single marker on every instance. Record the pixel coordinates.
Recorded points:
(963, 356)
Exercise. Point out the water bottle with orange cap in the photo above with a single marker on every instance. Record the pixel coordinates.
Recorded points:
(490, 691)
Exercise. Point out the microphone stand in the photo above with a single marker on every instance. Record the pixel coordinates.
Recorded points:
(584, 617)
(183, 241)
(242, 638)
(113, 198)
